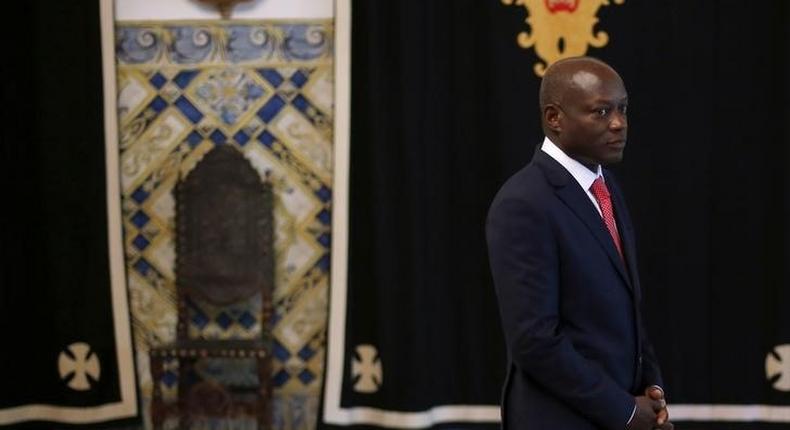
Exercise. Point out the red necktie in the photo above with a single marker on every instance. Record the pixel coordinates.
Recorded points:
(601, 194)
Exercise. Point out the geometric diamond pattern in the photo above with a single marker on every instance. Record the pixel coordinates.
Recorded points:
(228, 93)
(280, 378)
(239, 321)
(272, 76)
(224, 320)
(158, 80)
(306, 353)
(140, 242)
(247, 320)
(139, 219)
(306, 376)
(299, 78)
(199, 319)
(178, 97)
(271, 108)
(280, 352)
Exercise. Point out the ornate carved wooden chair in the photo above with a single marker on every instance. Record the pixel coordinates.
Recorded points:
(224, 258)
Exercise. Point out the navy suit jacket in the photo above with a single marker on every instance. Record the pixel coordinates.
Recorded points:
(577, 348)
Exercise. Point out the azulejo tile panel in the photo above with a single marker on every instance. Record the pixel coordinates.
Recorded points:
(265, 87)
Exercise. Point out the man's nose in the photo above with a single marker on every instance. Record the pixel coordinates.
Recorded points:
(618, 122)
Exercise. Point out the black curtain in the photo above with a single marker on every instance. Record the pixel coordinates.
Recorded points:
(54, 264)
(444, 109)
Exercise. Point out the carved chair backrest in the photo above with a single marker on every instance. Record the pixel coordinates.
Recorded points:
(225, 237)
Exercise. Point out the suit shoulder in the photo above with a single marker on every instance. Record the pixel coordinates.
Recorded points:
(526, 184)
(528, 188)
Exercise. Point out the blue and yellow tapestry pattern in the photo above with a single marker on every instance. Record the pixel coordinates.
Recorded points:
(267, 88)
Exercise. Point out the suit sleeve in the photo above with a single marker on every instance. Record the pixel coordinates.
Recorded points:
(524, 262)
(651, 373)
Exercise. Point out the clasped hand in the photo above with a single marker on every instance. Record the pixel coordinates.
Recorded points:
(651, 411)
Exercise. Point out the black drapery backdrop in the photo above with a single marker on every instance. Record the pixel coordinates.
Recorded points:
(54, 263)
(444, 109)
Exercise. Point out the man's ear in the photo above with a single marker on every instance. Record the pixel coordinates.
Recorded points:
(551, 117)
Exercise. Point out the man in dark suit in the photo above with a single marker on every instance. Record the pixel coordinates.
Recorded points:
(563, 258)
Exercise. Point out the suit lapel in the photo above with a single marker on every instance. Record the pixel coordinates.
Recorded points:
(624, 227)
(579, 203)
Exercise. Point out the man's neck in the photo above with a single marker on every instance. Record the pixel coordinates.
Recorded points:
(592, 166)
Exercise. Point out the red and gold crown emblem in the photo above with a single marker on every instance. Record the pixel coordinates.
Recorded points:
(560, 28)
(562, 5)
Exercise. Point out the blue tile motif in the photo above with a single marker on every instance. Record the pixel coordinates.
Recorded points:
(323, 263)
(306, 376)
(217, 137)
(140, 242)
(157, 80)
(188, 109)
(299, 78)
(224, 320)
(306, 353)
(238, 43)
(139, 195)
(324, 239)
(301, 103)
(229, 93)
(266, 138)
(247, 42)
(271, 108)
(324, 194)
(199, 318)
(325, 217)
(137, 45)
(281, 378)
(140, 219)
(183, 78)
(157, 104)
(272, 76)
(194, 139)
(142, 267)
(241, 137)
(303, 41)
(310, 112)
(247, 320)
(190, 44)
(280, 352)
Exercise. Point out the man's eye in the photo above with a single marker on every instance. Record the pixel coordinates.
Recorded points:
(602, 111)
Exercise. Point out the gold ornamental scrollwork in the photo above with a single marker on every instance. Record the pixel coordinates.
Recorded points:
(560, 28)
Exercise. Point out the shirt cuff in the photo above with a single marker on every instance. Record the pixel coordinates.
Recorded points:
(633, 412)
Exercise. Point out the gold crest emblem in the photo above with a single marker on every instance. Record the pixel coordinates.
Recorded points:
(560, 28)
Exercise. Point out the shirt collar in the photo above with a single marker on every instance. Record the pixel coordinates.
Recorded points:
(584, 176)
